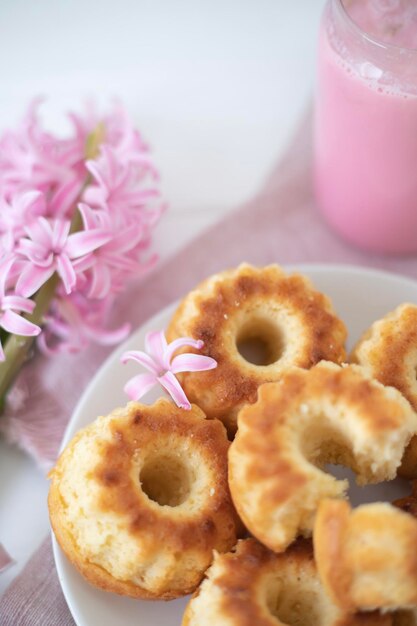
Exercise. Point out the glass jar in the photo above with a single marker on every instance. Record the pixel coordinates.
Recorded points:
(365, 144)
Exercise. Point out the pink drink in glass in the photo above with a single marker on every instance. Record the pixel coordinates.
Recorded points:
(366, 122)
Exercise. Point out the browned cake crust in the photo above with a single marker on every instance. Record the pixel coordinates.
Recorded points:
(388, 351)
(367, 557)
(297, 323)
(102, 517)
(328, 414)
(253, 586)
(407, 617)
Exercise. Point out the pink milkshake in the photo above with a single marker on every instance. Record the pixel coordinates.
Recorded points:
(366, 122)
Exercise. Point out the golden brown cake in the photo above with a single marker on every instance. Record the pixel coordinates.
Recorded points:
(328, 414)
(367, 558)
(139, 500)
(252, 586)
(285, 319)
(388, 351)
(407, 617)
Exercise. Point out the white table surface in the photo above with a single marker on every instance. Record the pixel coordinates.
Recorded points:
(216, 86)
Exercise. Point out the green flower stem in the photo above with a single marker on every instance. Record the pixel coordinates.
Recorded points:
(17, 349)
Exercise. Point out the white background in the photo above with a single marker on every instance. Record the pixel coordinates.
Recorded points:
(216, 86)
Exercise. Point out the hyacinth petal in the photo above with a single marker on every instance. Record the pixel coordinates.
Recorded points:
(156, 344)
(141, 357)
(66, 272)
(87, 215)
(84, 242)
(108, 337)
(33, 231)
(60, 233)
(181, 342)
(124, 264)
(5, 267)
(8, 239)
(139, 385)
(65, 196)
(33, 251)
(173, 387)
(109, 156)
(45, 228)
(18, 304)
(96, 196)
(2, 355)
(30, 197)
(95, 172)
(127, 239)
(37, 232)
(100, 282)
(32, 278)
(84, 263)
(192, 363)
(14, 323)
(30, 200)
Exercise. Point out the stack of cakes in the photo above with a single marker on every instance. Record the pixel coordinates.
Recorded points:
(231, 500)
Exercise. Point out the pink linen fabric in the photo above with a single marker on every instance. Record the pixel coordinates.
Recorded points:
(280, 224)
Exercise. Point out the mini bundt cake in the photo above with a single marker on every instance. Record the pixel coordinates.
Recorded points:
(328, 414)
(407, 617)
(139, 500)
(367, 557)
(252, 586)
(287, 322)
(388, 351)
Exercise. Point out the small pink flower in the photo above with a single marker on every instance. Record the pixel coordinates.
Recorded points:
(10, 307)
(31, 157)
(51, 248)
(74, 321)
(112, 258)
(159, 360)
(119, 132)
(120, 185)
(16, 213)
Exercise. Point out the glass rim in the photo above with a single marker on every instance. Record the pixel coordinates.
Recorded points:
(365, 35)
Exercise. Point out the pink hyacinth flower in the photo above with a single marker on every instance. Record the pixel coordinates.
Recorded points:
(162, 366)
(11, 305)
(51, 248)
(31, 156)
(111, 257)
(120, 186)
(74, 320)
(16, 213)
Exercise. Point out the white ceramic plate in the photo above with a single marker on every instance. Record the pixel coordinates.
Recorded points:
(360, 296)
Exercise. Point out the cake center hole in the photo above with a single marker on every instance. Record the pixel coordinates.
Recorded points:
(166, 480)
(293, 605)
(328, 450)
(260, 342)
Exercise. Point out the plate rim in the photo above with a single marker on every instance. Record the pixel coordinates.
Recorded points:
(107, 363)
